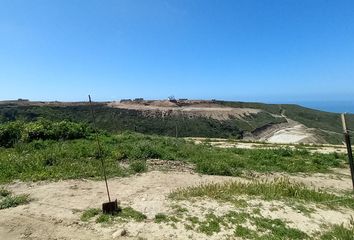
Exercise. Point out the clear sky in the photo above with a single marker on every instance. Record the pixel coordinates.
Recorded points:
(251, 50)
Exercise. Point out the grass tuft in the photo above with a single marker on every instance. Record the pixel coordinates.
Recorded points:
(89, 213)
(14, 201)
(104, 218)
(130, 213)
(161, 217)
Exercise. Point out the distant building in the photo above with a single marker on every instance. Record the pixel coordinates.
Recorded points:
(125, 100)
(172, 99)
(138, 99)
(183, 99)
(22, 100)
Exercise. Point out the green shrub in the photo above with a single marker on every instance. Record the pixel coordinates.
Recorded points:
(13, 132)
(145, 150)
(45, 129)
(10, 133)
(138, 166)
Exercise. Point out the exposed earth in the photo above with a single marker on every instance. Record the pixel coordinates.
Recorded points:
(56, 207)
(287, 132)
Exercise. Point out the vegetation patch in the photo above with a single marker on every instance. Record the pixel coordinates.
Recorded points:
(210, 224)
(178, 210)
(279, 189)
(130, 213)
(8, 200)
(13, 132)
(138, 166)
(340, 232)
(161, 217)
(90, 213)
(4, 192)
(244, 232)
(78, 158)
(127, 214)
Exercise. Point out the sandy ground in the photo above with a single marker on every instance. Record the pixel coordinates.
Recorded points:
(225, 143)
(294, 134)
(288, 133)
(54, 212)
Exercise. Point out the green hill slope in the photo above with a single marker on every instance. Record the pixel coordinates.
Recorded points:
(327, 125)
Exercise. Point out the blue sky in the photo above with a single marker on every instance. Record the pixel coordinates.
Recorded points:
(250, 50)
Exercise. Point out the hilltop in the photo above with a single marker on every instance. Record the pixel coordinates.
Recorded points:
(277, 123)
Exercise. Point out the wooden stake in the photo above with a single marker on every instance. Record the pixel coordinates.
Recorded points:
(99, 149)
(349, 147)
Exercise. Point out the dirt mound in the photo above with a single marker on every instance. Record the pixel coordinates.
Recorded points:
(189, 109)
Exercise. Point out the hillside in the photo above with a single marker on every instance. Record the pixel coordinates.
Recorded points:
(282, 123)
(51, 183)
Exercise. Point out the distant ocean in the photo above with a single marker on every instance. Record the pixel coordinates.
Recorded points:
(336, 107)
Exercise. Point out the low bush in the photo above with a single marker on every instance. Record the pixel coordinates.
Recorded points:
(14, 132)
(45, 130)
(10, 133)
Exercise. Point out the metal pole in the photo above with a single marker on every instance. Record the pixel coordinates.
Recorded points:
(99, 149)
(349, 147)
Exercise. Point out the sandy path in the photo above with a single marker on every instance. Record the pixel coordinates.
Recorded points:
(53, 212)
(56, 207)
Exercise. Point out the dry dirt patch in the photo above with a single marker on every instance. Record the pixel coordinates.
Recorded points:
(226, 143)
(55, 210)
